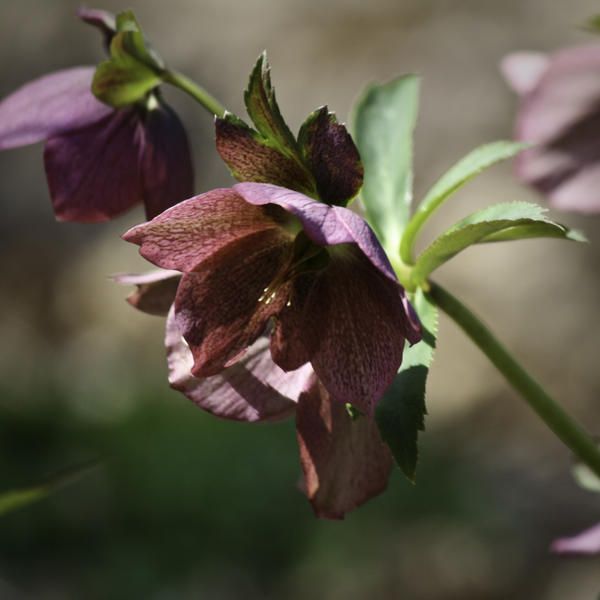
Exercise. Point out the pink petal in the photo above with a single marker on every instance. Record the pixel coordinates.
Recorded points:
(155, 290)
(49, 106)
(587, 542)
(567, 91)
(254, 389)
(166, 162)
(345, 462)
(93, 173)
(190, 232)
(523, 70)
(323, 224)
(223, 307)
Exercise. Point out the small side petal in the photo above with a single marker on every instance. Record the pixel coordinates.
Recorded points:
(224, 306)
(344, 461)
(186, 234)
(155, 291)
(254, 389)
(325, 225)
(93, 173)
(587, 542)
(49, 106)
(166, 161)
(102, 19)
(523, 70)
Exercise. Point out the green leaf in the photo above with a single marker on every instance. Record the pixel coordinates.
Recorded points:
(500, 222)
(401, 412)
(15, 499)
(263, 109)
(384, 121)
(467, 168)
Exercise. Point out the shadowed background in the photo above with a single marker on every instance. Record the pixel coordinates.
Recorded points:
(186, 506)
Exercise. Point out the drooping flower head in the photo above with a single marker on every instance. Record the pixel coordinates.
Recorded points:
(101, 160)
(286, 300)
(258, 252)
(560, 114)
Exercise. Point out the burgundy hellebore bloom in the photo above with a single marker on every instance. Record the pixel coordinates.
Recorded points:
(344, 461)
(99, 161)
(259, 251)
(259, 259)
(560, 114)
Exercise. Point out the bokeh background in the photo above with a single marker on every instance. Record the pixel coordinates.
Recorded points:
(186, 506)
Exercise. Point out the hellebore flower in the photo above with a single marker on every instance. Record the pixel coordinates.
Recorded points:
(560, 113)
(259, 252)
(99, 161)
(344, 461)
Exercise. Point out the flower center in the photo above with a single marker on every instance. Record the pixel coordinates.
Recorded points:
(304, 257)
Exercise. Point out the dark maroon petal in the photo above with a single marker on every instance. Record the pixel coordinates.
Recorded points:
(356, 330)
(166, 162)
(251, 158)
(190, 232)
(93, 173)
(561, 115)
(586, 542)
(344, 461)
(288, 348)
(325, 225)
(523, 70)
(51, 105)
(224, 306)
(254, 389)
(155, 291)
(332, 156)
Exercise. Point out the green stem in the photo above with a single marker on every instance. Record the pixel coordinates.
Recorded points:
(184, 83)
(573, 436)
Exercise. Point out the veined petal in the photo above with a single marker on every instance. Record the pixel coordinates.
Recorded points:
(190, 232)
(323, 224)
(586, 542)
(166, 162)
(345, 462)
(224, 306)
(253, 389)
(155, 291)
(333, 157)
(93, 173)
(356, 330)
(49, 106)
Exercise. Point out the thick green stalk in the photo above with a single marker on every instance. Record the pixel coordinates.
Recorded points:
(567, 430)
(184, 83)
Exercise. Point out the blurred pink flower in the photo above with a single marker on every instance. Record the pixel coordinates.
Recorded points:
(560, 113)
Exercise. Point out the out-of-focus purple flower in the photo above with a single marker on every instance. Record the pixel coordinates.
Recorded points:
(559, 113)
(586, 542)
(344, 461)
(259, 252)
(99, 161)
